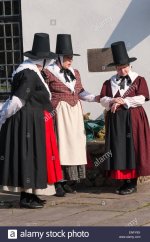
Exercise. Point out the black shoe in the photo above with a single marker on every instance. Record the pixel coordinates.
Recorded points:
(59, 190)
(124, 186)
(27, 201)
(68, 188)
(128, 190)
(37, 199)
(128, 184)
(30, 204)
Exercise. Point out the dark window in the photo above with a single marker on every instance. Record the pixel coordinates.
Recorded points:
(1, 31)
(8, 29)
(1, 8)
(9, 58)
(3, 71)
(16, 43)
(2, 58)
(16, 30)
(10, 70)
(10, 42)
(16, 9)
(2, 44)
(7, 6)
(17, 57)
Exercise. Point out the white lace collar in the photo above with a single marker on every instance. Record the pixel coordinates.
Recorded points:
(55, 70)
(115, 83)
(29, 65)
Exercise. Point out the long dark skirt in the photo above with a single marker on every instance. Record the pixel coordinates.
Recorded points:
(119, 141)
(23, 150)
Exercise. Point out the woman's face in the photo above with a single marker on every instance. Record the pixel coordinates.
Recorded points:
(67, 61)
(123, 70)
(39, 67)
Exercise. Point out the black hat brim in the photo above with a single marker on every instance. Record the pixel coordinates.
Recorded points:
(50, 55)
(69, 54)
(120, 64)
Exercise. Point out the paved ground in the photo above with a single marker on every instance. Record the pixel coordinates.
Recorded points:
(88, 207)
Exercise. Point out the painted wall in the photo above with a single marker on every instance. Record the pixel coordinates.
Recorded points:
(92, 24)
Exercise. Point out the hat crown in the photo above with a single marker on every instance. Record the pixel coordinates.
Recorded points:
(64, 44)
(120, 55)
(40, 47)
(41, 44)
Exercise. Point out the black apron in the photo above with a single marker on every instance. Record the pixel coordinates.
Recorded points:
(119, 141)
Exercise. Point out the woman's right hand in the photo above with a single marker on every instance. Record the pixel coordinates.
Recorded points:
(114, 107)
(118, 100)
(97, 98)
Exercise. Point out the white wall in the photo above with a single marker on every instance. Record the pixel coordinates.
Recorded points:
(92, 24)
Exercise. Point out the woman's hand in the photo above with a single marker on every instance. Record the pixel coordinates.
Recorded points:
(118, 100)
(97, 98)
(114, 107)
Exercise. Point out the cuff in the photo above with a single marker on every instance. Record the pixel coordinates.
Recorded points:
(127, 104)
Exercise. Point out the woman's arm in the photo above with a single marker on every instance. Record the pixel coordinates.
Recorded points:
(10, 107)
(133, 102)
(106, 102)
(22, 88)
(86, 96)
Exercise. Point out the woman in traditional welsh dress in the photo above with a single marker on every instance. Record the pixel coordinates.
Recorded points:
(65, 85)
(127, 127)
(30, 163)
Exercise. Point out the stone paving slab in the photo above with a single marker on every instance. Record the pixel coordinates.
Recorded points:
(86, 218)
(88, 207)
(139, 217)
(48, 214)
(108, 204)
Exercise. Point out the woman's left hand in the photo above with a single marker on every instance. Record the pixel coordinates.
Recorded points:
(119, 100)
(114, 107)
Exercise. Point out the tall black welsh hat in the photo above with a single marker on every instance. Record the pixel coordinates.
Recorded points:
(120, 55)
(40, 48)
(64, 45)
